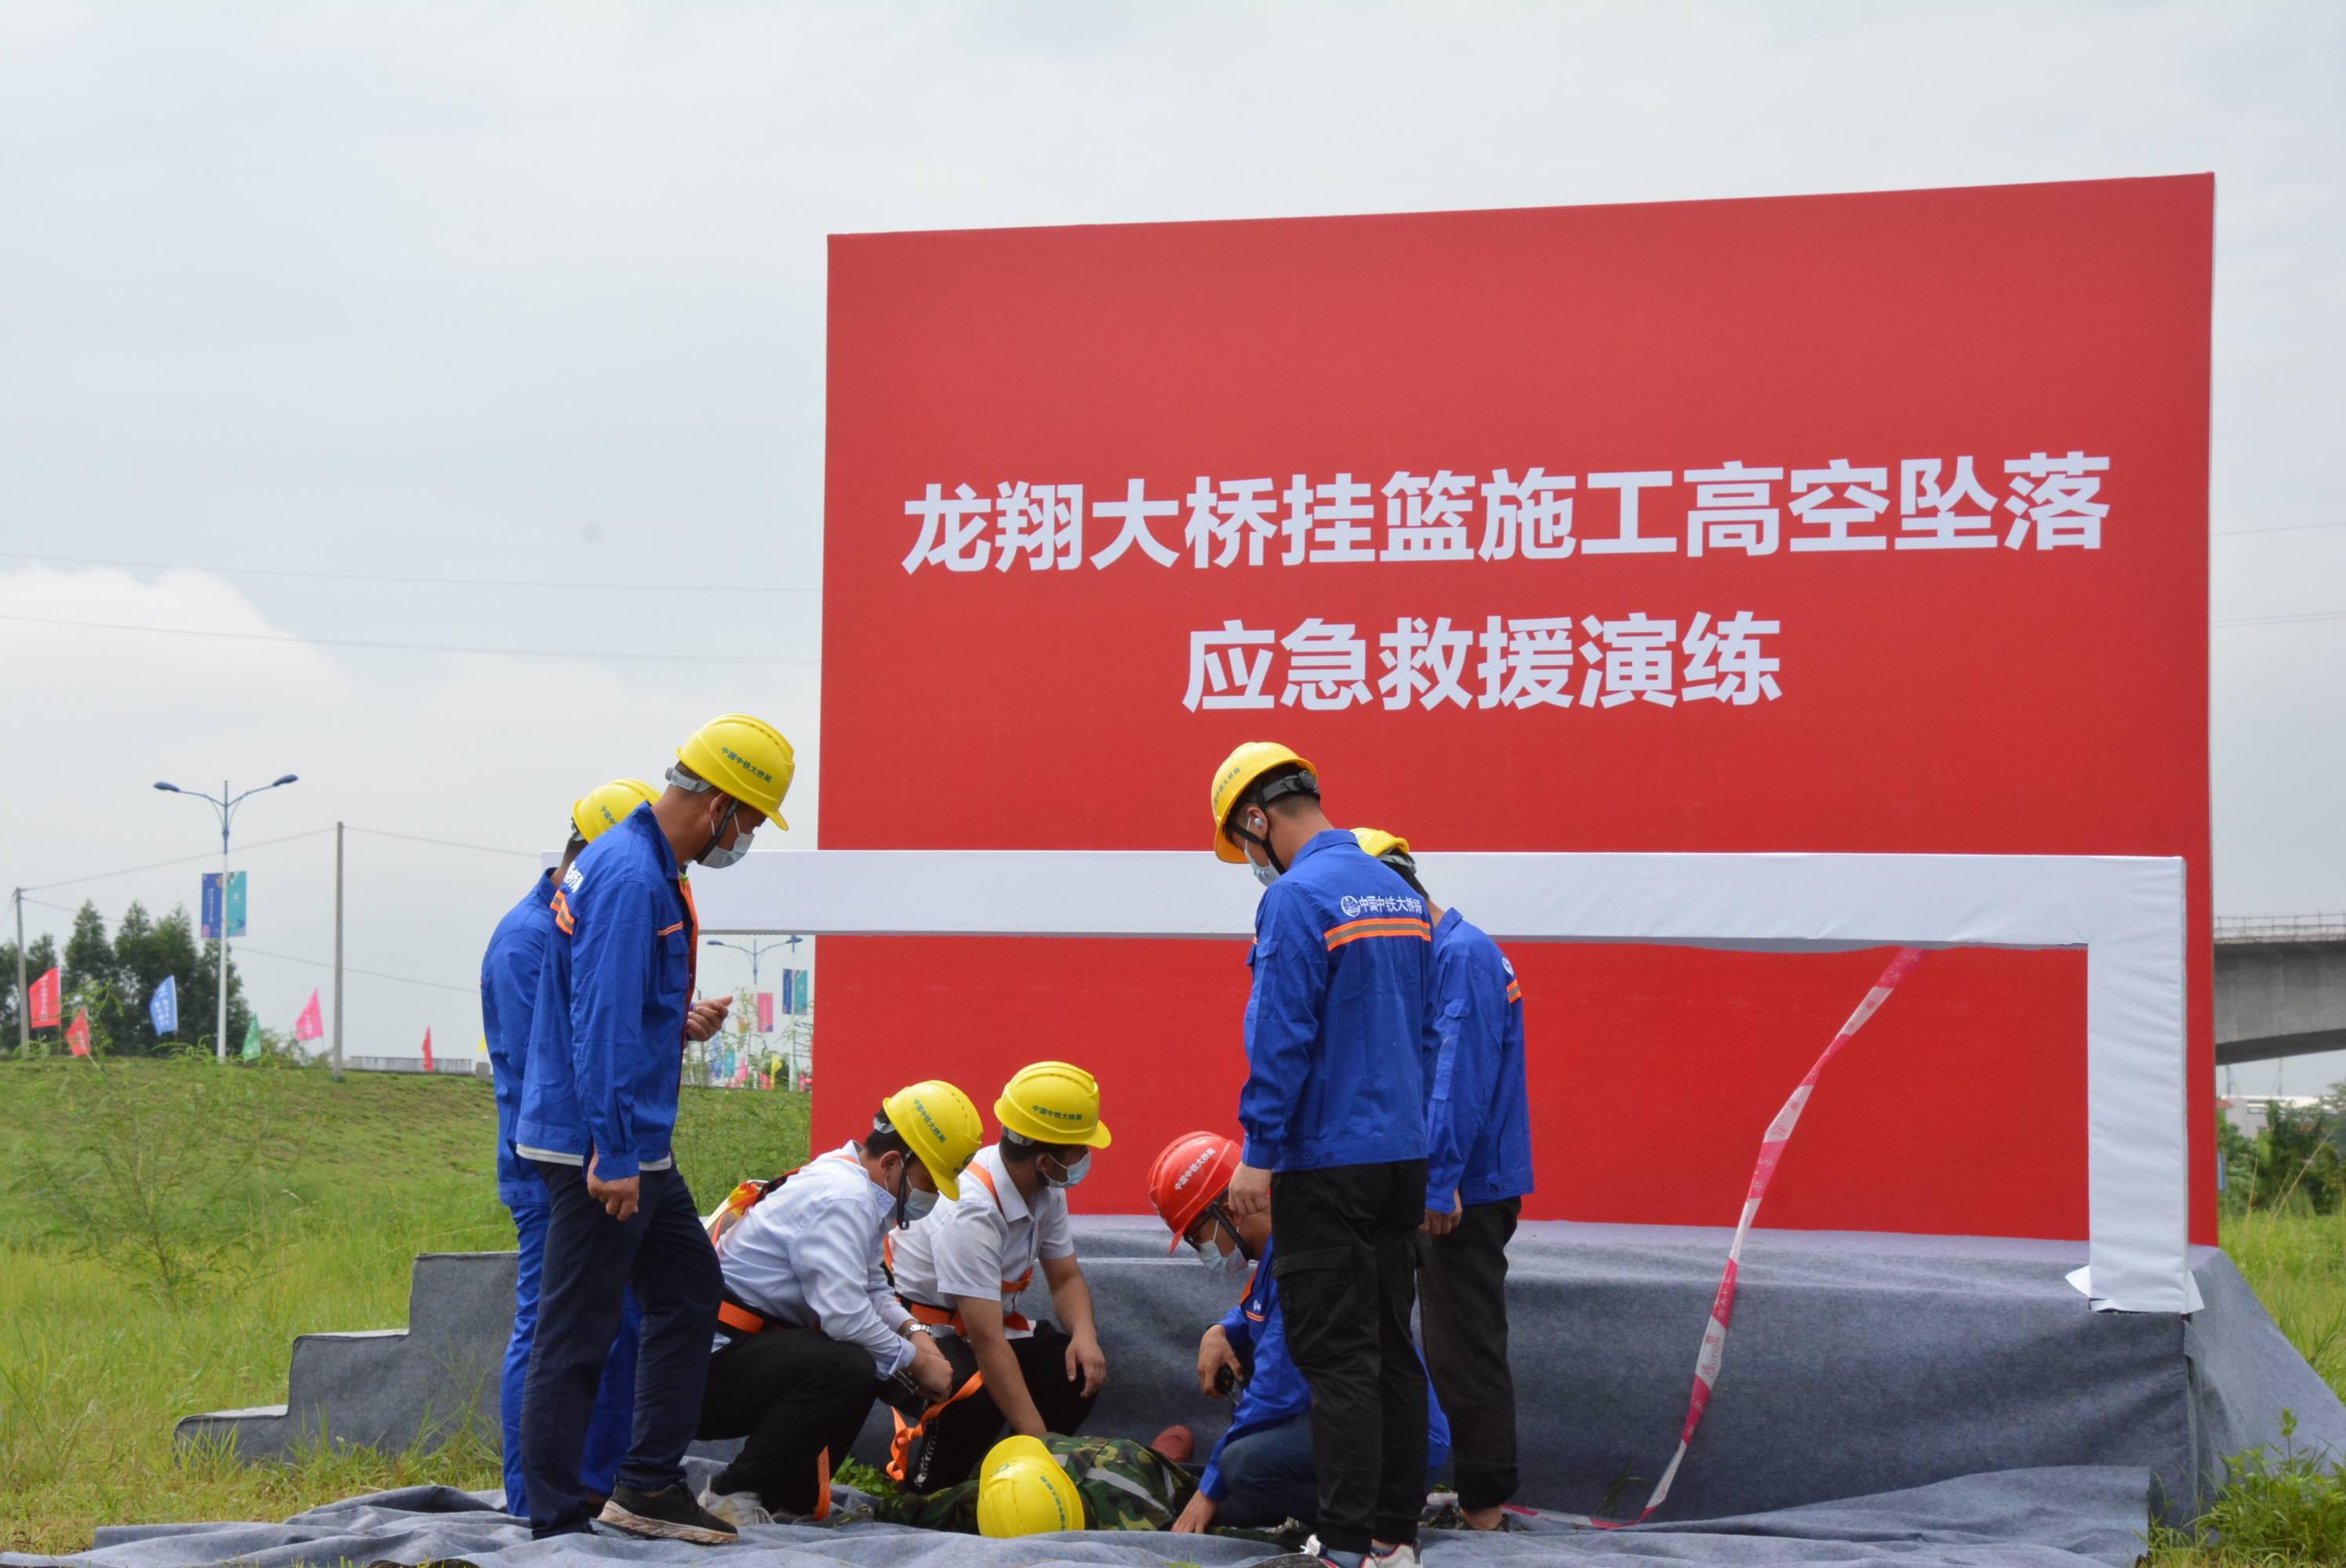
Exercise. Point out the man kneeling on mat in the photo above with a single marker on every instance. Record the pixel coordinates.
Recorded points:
(810, 1332)
(1262, 1471)
(961, 1270)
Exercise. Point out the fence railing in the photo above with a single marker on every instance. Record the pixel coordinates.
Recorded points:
(2281, 927)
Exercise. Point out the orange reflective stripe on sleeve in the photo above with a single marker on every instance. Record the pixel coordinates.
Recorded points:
(1391, 925)
(1514, 990)
(562, 914)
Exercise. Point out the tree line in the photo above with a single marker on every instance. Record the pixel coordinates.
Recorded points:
(115, 976)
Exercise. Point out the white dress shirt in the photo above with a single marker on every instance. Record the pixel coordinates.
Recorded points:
(984, 1243)
(809, 1255)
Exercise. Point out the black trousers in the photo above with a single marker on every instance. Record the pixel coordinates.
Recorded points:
(1464, 1308)
(800, 1398)
(591, 1259)
(957, 1437)
(1347, 1253)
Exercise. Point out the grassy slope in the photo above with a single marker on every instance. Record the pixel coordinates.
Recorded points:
(94, 1370)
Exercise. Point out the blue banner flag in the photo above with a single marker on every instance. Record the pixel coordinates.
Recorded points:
(163, 1007)
(211, 906)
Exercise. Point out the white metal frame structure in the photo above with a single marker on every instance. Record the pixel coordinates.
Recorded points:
(2126, 913)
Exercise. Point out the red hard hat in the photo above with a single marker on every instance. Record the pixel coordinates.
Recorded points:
(1193, 1171)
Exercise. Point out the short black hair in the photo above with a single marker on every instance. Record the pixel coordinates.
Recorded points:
(886, 1139)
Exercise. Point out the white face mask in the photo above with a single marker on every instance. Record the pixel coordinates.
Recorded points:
(1071, 1175)
(1233, 1262)
(1264, 872)
(918, 1202)
(716, 857)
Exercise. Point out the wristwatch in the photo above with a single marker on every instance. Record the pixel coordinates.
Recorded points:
(912, 1325)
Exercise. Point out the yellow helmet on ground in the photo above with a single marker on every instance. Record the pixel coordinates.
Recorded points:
(603, 805)
(746, 757)
(1052, 1102)
(941, 1123)
(1023, 1491)
(1236, 776)
(1379, 844)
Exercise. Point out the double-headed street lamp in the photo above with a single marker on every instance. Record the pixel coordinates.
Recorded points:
(225, 805)
(756, 952)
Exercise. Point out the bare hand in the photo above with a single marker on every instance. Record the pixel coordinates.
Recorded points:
(930, 1369)
(1086, 1361)
(1197, 1517)
(1249, 1193)
(706, 1018)
(620, 1198)
(1214, 1353)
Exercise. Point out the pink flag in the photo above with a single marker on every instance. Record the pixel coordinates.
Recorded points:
(427, 1050)
(309, 1026)
(77, 1034)
(765, 1013)
(742, 1075)
(48, 994)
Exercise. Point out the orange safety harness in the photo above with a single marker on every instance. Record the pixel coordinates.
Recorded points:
(909, 1432)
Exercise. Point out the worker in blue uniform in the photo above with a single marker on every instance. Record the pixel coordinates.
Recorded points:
(1263, 1470)
(599, 1118)
(510, 973)
(1478, 1133)
(1341, 1051)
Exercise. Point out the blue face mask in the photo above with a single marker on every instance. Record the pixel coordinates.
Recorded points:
(1071, 1175)
(1232, 1263)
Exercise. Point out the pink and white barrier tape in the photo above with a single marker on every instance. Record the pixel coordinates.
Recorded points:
(1771, 1151)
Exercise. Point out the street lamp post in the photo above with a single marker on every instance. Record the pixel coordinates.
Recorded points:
(224, 805)
(756, 952)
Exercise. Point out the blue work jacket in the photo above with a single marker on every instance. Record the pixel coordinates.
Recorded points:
(606, 1048)
(1478, 1124)
(1339, 1037)
(1275, 1391)
(510, 971)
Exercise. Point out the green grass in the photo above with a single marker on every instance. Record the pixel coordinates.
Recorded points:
(243, 1207)
(341, 1185)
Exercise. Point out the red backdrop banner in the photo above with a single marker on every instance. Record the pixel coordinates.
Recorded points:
(1868, 522)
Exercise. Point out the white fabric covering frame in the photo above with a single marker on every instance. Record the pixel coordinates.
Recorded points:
(2126, 913)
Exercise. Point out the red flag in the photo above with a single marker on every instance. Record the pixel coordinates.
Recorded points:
(310, 1026)
(427, 1050)
(78, 1035)
(46, 1000)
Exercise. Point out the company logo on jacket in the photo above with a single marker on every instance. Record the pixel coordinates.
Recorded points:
(1356, 905)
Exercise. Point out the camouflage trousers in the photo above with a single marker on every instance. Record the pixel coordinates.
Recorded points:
(1125, 1485)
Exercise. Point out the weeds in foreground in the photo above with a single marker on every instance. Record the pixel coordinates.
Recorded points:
(2277, 1507)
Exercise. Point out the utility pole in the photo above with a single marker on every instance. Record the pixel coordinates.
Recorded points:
(24, 997)
(219, 1039)
(338, 952)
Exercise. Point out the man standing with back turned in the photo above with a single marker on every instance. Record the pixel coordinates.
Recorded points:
(620, 1211)
(1478, 1135)
(1341, 1051)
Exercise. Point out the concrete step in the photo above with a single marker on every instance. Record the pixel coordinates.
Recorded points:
(390, 1389)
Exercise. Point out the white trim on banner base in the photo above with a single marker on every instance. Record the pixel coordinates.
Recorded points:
(2125, 911)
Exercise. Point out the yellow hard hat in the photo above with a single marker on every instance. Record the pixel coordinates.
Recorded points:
(605, 804)
(746, 757)
(1234, 777)
(1023, 1491)
(1052, 1102)
(1379, 844)
(941, 1123)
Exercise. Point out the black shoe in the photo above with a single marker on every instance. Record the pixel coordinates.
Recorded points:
(667, 1514)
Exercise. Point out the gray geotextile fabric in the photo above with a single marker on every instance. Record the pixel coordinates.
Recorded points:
(2068, 1518)
(1858, 1364)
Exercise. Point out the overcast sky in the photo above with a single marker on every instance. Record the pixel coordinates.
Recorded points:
(536, 294)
